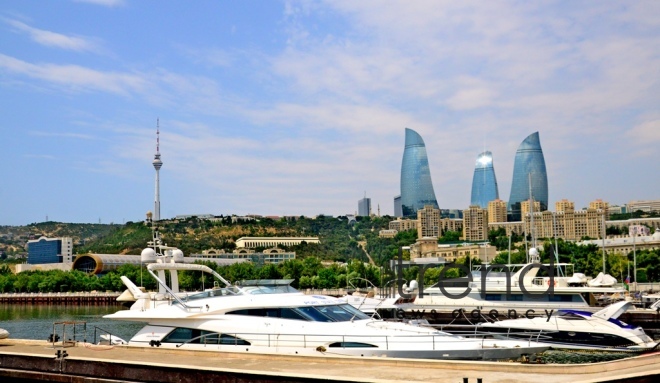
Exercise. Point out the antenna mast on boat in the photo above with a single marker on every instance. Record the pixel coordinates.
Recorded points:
(531, 211)
(604, 232)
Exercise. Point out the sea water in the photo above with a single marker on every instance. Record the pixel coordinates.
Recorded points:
(39, 321)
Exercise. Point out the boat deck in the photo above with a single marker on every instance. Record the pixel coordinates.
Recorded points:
(37, 361)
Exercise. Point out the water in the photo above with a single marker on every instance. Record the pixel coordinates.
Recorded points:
(26, 321)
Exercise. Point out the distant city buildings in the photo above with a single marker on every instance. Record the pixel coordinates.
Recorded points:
(484, 182)
(416, 186)
(645, 206)
(398, 209)
(627, 243)
(364, 207)
(529, 172)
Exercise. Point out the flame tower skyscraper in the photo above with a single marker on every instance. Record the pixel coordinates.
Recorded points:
(157, 165)
(484, 182)
(416, 186)
(529, 176)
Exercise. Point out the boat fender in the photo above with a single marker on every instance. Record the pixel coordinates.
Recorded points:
(493, 314)
(400, 313)
(456, 313)
(512, 314)
(476, 313)
(528, 313)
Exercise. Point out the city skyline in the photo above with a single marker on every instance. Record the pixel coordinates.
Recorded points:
(298, 108)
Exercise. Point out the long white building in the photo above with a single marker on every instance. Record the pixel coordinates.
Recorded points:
(268, 242)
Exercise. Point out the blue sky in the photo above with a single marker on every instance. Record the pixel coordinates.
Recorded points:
(299, 107)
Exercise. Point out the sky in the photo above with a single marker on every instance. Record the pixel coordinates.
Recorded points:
(300, 107)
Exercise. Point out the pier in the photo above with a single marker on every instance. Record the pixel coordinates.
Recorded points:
(34, 361)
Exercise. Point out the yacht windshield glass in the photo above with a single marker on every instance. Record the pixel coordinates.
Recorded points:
(332, 313)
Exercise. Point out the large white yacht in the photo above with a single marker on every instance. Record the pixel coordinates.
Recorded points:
(277, 319)
(525, 292)
(575, 329)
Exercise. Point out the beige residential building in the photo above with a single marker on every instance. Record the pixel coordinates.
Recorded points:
(496, 211)
(524, 207)
(428, 248)
(387, 233)
(599, 204)
(475, 224)
(404, 224)
(451, 224)
(563, 205)
(569, 224)
(516, 227)
(429, 222)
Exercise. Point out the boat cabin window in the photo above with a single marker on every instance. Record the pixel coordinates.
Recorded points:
(330, 313)
(350, 345)
(195, 336)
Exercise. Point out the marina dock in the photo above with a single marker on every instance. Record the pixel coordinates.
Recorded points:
(33, 361)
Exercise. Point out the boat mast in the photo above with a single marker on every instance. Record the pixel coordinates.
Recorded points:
(531, 211)
(604, 231)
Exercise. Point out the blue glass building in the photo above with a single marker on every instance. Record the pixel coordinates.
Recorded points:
(484, 183)
(44, 250)
(528, 168)
(416, 186)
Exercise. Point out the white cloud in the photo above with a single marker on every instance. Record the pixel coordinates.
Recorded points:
(53, 39)
(74, 77)
(106, 3)
(646, 133)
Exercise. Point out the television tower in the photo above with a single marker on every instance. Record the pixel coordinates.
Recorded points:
(157, 165)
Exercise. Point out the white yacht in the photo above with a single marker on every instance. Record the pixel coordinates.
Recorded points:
(522, 293)
(574, 329)
(276, 319)
(4, 334)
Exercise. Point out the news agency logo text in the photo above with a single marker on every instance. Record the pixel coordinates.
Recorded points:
(549, 269)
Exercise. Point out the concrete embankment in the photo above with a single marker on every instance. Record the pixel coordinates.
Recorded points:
(38, 361)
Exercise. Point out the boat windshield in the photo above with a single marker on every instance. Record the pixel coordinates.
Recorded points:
(331, 313)
(328, 313)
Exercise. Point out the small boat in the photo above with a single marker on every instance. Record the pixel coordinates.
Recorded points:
(4, 334)
(575, 329)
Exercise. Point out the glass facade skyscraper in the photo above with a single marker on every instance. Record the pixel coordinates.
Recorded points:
(416, 186)
(484, 183)
(528, 169)
(364, 207)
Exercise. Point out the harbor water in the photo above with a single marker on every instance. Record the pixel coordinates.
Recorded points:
(36, 321)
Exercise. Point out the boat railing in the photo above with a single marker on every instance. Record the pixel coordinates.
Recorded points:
(474, 331)
(419, 341)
